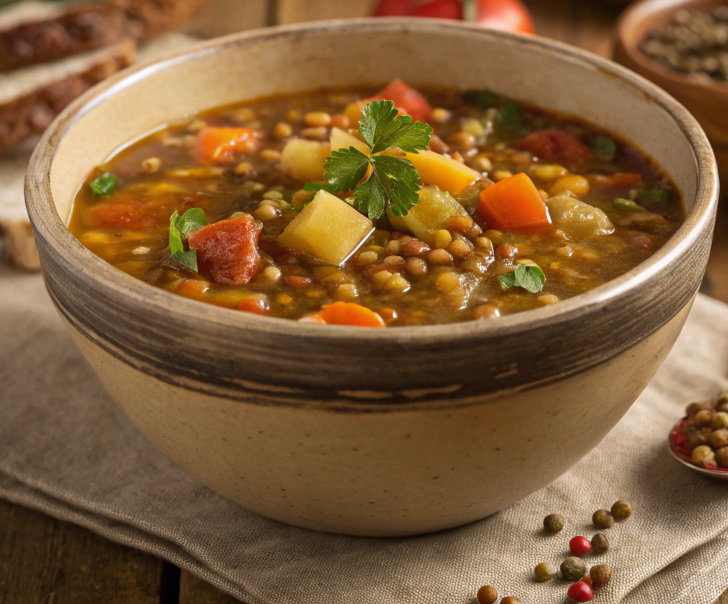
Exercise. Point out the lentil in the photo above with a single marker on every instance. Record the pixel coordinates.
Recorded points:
(553, 523)
(602, 519)
(282, 130)
(487, 311)
(151, 165)
(487, 595)
(545, 571)
(266, 212)
(270, 155)
(600, 575)
(621, 510)
(572, 569)
(439, 257)
(599, 544)
(339, 120)
(415, 267)
(317, 119)
(459, 248)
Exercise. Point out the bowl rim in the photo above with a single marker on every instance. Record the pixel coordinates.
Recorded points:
(631, 17)
(46, 220)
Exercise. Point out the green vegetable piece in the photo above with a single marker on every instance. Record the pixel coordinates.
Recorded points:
(104, 184)
(180, 228)
(528, 277)
(509, 115)
(483, 99)
(605, 148)
(393, 180)
(656, 194)
(627, 205)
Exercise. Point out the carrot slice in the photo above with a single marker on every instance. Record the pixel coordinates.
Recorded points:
(218, 145)
(513, 203)
(348, 313)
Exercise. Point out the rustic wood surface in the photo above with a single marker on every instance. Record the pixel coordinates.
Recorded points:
(43, 560)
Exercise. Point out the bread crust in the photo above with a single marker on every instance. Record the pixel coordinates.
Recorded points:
(31, 113)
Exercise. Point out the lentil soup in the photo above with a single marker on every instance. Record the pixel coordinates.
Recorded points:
(377, 208)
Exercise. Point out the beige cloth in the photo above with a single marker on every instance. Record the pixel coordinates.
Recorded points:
(67, 450)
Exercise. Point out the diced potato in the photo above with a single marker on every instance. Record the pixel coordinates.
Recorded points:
(304, 159)
(577, 219)
(433, 211)
(328, 229)
(341, 139)
(353, 112)
(447, 173)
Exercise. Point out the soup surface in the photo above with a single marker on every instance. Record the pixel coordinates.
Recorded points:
(437, 207)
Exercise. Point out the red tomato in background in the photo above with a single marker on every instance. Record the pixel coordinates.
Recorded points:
(555, 145)
(406, 99)
(505, 15)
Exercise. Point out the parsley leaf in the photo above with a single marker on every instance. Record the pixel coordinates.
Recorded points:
(180, 228)
(509, 115)
(483, 99)
(104, 184)
(605, 148)
(528, 277)
(655, 194)
(391, 180)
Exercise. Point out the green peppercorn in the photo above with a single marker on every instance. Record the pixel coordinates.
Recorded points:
(602, 519)
(573, 569)
(621, 510)
(553, 523)
(600, 575)
(718, 438)
(545, 571)
(600, 544)
(720, 420)
(487, 595)
(721, 457)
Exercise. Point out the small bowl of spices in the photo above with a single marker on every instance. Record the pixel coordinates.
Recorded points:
(700, 439)
(682, 46)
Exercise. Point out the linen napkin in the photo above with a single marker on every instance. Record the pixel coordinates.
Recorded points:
(67, 450)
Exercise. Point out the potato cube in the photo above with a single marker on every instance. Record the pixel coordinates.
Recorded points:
(447, 173)
(304, 159)
(341, 139)
(328, 229)
(433, 211)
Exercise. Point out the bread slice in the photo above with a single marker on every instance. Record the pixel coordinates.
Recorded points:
(16, 236)
(36, 32)
(33, 32)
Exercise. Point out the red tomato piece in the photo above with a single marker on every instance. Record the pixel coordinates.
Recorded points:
(227, 251)
(556, 145)
(220, 144)
(394, 8)
(254, 305)
(406, 99)
(122, 215)
(506, 15)
(513, 203)
(440, 9)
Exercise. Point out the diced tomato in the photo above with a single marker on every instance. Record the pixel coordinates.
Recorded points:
(348, 313)
(621, 180)
(405, 98)
(557, 145)
(255, 305)
(227, 251)
(439, 9)
(126, 215)
(506, 15)
(513, 203)
(218, 145)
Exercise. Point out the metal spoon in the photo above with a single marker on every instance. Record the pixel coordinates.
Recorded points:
(717, 473)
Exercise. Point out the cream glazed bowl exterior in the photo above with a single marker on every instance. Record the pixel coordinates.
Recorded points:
(372, 432)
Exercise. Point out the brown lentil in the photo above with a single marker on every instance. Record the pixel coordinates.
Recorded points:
(487, 595)
(600, 575)
(487, 311)
(339, 120)
(573, 568)
(462, 140)
(545, 571)
(415, 247)
(600, 544)
(602, 519)
(282, 130)
(459, 248)
(439, 257)
(270, 155)
(151, 165)
(621, 510)
(553, 523)
(506, 251)
(317, 119)
(415, 267)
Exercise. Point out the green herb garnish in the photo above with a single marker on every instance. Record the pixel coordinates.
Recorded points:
(605, 148)
(180, 228)
(508, 116)
(104, 184)
(627, 204)
(393, 180)
(527, 276)
(483, 99)
(656, 194)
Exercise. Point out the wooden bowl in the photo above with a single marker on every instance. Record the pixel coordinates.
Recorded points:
(707, 102)
(372, 432)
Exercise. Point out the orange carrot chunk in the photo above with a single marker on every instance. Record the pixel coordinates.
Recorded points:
(513, 203)
(218, 145)
(348, 313)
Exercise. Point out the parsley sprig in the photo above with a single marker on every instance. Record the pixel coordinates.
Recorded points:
(528, 277)
(392, 180)
(180, 228)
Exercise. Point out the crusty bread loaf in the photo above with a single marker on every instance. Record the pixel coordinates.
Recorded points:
(31, 97)
(37, 32)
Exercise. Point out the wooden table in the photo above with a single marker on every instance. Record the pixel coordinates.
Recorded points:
(45, 560)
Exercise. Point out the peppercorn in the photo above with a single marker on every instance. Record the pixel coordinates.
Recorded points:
(720, 420)
(510, 600)
(621, 510)
(721, 457)
(545, 571)
(487, 595)
(600, 575)
(599, 543)
(573, 569)
(579, 546)
(602, 519)
(581, 592)
(553, 523)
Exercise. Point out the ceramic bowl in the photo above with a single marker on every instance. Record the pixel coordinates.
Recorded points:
(372, 432)
(706, 101)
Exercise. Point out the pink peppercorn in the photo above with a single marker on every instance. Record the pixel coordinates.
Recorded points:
(581, 592)
(579, 546)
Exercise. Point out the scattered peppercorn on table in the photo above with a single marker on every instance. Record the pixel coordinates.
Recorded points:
(43, 559)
